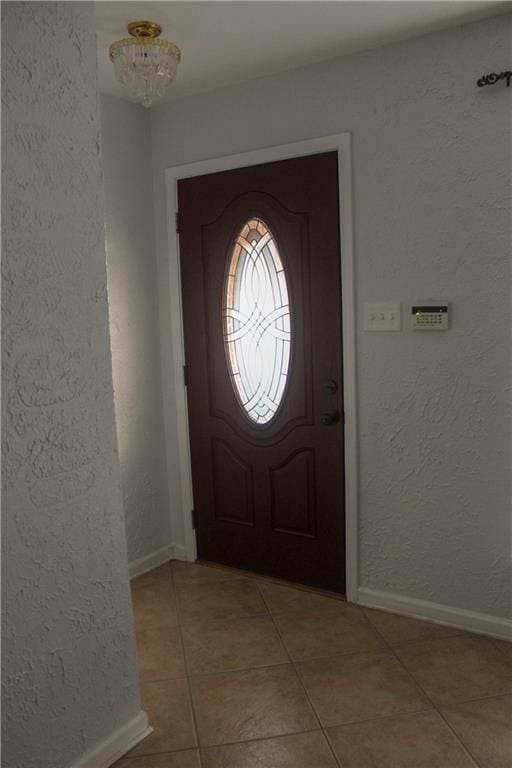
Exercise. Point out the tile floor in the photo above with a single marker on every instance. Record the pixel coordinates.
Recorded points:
(242, 672)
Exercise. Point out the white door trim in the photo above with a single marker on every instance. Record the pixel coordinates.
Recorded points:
(175, 349)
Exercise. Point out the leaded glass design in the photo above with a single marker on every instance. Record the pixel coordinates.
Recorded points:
(257, 330)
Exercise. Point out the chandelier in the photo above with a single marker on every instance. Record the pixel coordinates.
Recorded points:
(143, 63)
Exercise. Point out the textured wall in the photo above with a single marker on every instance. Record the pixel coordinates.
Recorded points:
(133, 308)
(432, 173)
(67, 642)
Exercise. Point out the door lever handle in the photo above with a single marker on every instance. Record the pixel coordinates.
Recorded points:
(329, 417)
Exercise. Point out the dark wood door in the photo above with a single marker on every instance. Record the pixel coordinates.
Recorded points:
(260, 268)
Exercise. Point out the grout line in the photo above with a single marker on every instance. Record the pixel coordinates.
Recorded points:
(417, 641)
(222, 622)
(461, 702)
(457, 737)
(235, 670)
(308, 699)
(184, 583)
(331, 747)
(382, 652)
(377, 718)
(187, 676)
(162, 679)
(434, 706)
(136, 758)
(260, 738)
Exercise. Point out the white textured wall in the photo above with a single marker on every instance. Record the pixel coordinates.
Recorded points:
(432, 173)
(133, 307)
(67, 636)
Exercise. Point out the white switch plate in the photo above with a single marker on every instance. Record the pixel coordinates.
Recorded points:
(382, 316)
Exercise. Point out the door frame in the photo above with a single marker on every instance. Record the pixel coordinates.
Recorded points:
(172, 344)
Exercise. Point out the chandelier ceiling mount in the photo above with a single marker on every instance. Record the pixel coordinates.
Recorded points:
(144, 63)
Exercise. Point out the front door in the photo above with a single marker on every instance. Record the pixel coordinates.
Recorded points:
(260, 269)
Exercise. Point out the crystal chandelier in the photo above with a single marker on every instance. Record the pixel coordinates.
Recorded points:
(143, 63)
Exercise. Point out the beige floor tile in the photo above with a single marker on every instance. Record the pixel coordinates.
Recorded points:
(505, 649)
(397, 630)
(303, 750)
(168, 708)
(358, 687)
(238, 644)
(485, 727)
(253, 704)
(408, 741)
(219, 600)
(281, 599)
(154, 605)
(308, 636)
(159, 653)
(457, 668)
(187, 759)
(192, 573)
(160, 575)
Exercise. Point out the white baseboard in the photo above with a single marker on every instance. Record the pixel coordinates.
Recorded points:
(470, 621)
(117, 744)
(153, 560)
(180, 553)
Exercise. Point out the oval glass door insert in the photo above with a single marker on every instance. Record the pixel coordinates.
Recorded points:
(256, 313)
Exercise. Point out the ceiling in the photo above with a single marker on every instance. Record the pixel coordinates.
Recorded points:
(230, 42)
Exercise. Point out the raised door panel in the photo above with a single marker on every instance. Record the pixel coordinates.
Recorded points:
(293, 495)
(233, 486)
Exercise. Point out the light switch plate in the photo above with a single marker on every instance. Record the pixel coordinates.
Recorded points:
(382, 316)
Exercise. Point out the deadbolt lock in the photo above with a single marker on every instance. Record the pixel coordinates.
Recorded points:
(330, 417)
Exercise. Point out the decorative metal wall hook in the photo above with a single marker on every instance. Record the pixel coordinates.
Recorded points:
(494, 77)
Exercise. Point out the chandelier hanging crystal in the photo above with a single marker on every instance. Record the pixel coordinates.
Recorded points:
(143, 63)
